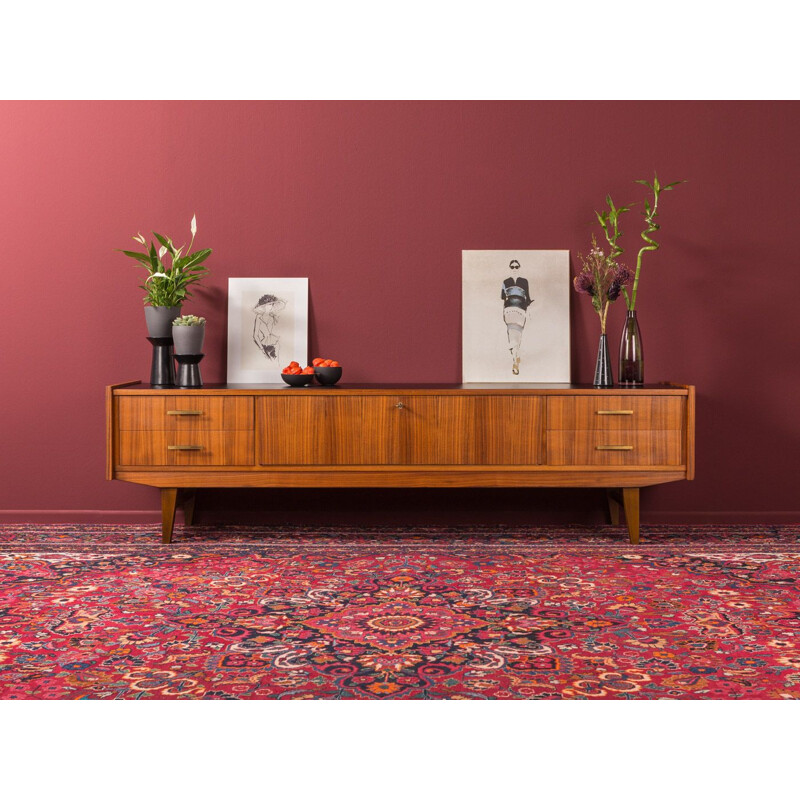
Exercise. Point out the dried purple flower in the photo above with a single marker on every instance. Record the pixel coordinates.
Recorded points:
(602, 278)
(584, 283)
(623, 275)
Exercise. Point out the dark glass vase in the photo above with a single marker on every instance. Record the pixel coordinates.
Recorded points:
(603, 379)
(631, 355)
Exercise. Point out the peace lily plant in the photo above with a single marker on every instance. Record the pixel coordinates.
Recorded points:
(167, 283)
(171, 271)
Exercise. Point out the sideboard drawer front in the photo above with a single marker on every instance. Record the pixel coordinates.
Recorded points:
(614, 448)
(411, 430)
(189, 413)
(615, 413)
(186, 449)
(335, 431)
(503, 430)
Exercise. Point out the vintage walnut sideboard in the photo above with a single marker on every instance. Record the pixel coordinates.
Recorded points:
(469, 435)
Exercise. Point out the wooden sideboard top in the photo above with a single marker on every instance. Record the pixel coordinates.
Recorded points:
(138, 388)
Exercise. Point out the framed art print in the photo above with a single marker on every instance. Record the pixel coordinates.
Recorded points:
(267, 327)
(515, 316)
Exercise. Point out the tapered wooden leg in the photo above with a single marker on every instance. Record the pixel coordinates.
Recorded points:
(630, 499)
(614, 499)
(169, 499)
(187, 500)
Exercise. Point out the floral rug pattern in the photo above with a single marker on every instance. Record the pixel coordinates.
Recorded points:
(106, 611)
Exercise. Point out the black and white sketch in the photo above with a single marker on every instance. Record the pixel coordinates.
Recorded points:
(525, 336)
(267, 327)
(267, 311)
(516, 297)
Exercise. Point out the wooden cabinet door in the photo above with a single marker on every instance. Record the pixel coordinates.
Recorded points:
(471, 431)
(393, 430)
(327, 430)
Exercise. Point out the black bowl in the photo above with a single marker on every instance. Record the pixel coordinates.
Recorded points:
(327, 376)
(297, 380)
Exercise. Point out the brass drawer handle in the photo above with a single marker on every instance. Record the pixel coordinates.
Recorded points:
(184, 413)
(184, 447)
(614, 447)
(610, 412)
(399, 405)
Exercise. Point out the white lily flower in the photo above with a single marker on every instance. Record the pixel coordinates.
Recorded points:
(162, 252)
(157, 275)
(139, 238)
(193, 226)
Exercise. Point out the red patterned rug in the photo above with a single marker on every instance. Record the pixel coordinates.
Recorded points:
(100, 611)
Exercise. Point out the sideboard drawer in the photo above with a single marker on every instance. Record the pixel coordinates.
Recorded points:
(614, 448)
(412, 430)
(618, 413)
(171, 413)
(192, 448)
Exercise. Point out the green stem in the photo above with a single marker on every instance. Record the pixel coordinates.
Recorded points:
(650, 246)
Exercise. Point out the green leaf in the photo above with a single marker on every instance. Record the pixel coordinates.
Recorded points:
(165, 241)
(656, 185)
(155, 263)
(644, 183)
(194, 259)
(142, 257)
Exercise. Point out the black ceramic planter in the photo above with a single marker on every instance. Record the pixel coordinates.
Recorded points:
(162, 368)
(189, 370)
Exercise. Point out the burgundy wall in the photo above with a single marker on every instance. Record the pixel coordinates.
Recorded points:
(374, 201)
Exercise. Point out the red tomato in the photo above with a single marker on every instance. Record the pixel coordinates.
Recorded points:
(335, 364)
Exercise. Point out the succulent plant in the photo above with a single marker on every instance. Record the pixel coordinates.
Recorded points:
(189, 319)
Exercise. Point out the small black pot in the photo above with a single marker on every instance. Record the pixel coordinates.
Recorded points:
(327, 376)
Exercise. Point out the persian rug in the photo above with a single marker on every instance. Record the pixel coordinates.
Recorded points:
(100, 611)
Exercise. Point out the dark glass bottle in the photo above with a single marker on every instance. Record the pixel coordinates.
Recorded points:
(631, 355)
(603, 379)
